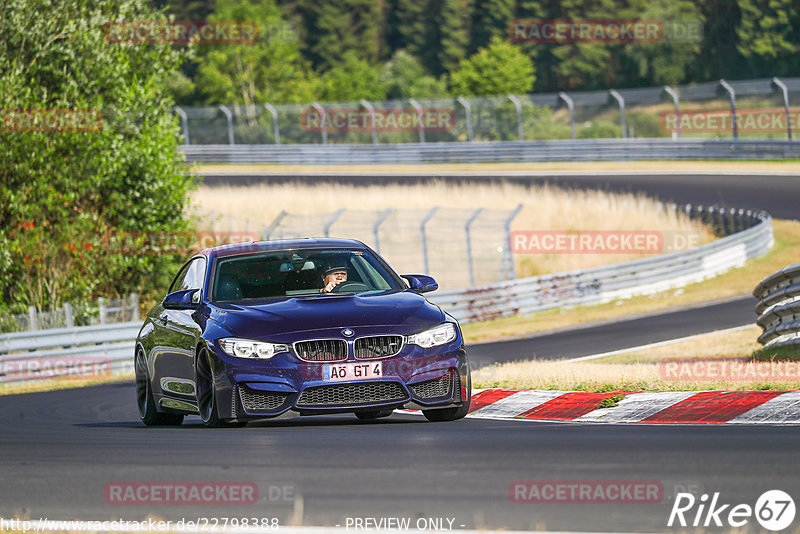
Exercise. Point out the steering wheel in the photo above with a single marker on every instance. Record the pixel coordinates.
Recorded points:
(350, 286)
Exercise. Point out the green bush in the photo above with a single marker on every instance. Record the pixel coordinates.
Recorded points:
(64, 186)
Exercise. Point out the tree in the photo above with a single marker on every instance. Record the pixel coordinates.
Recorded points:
(109, 161)
(350, 80)
(269, 70)
(332, 28)
(769, 37)
(665, 62)
(499, 69)
(404, 77)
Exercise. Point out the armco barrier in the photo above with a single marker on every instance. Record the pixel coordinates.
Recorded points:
(616, 281)
(499, 151)
(778, 307)
(45, 354)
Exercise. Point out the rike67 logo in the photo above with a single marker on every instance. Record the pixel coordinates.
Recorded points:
(774, 510)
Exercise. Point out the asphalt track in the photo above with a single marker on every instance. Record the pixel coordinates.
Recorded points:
(59, 450)
(609, 336)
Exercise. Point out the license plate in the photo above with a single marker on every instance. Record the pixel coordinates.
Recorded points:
(351, 371)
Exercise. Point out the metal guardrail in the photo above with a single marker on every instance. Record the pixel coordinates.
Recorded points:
(67, 352)
(104, 312)
(778, 307)
(496, 151)
(622, 280)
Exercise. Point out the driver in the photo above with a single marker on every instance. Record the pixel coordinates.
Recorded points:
(332, 277)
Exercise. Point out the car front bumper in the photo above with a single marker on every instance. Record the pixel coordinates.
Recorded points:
(416, 378)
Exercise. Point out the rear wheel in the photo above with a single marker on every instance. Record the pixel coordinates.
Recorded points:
(144, 397)
(206, 397)
(374, 414)
(454, 413)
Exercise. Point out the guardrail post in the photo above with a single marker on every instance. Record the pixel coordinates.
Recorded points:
(101, 304)
(424, 239)
(675, 100)
(621, 102)
(275, 127)
(782, 86)
(518, 106)
(134, 306)
(32, 323)
(507, 255)
(327, 227)
(470, 268)
(184, 123)
(322, 115)
(463, 101)
(382, 217)
(371, 111)
(420, 126)
(571, 108)
(269, 229)
(69, 316)
(229, 116)
(732, 94)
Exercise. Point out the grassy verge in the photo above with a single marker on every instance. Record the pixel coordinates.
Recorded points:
(734, 283)
(61, 383)
(725, 360)
(590, 166)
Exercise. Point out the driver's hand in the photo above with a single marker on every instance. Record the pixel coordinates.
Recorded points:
(330, 285)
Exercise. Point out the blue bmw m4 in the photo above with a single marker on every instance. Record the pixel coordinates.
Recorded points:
(296, 328)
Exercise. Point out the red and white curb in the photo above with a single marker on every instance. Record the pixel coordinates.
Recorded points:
(708, 407)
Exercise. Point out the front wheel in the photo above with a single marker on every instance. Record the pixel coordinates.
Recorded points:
(454, 413)
(206, 396)
(144, 397)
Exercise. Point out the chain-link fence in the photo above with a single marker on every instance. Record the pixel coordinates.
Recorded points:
(460, 248)
(762, 108)
(102, 311)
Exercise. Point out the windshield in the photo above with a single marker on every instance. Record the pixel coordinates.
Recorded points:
(301, 273)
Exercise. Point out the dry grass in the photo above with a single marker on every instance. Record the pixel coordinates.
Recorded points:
(649, 369)
(545, 208)
(61, 383)
(787, 166)
(734, 283)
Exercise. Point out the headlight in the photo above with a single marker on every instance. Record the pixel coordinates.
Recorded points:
(245, 348)
(439, 335)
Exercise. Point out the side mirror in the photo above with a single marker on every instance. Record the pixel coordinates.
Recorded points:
(181, 300)
(421, 283)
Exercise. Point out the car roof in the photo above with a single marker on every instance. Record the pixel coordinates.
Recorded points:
(279, 244)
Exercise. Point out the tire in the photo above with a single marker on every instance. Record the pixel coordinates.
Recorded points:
(451, 414)
(206, 398)
(374, 414)
(144, 397)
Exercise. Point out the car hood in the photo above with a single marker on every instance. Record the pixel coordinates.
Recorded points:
(405, 312)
